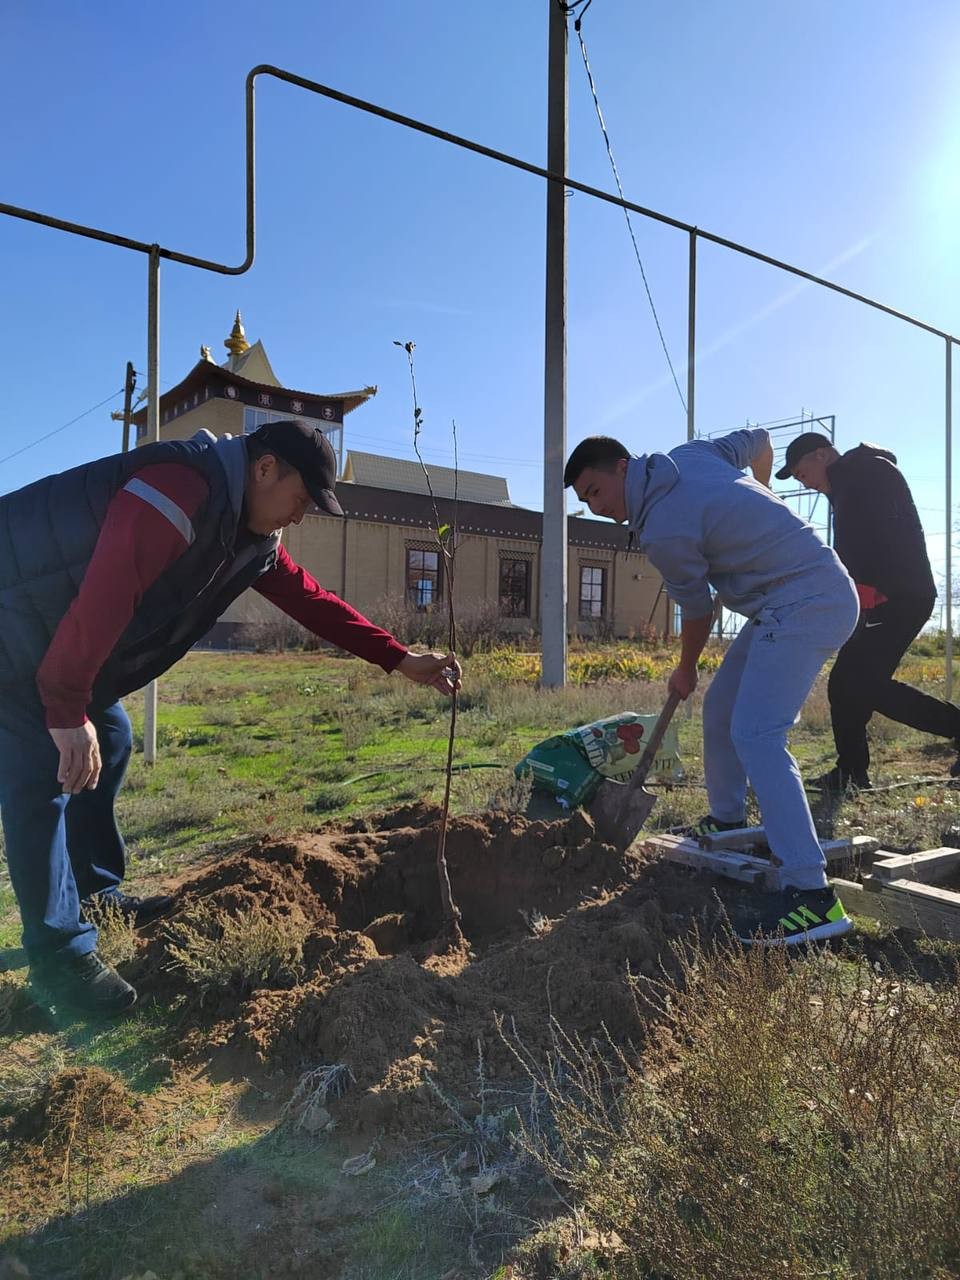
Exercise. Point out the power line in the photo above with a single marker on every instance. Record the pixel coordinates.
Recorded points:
(626, 212)
(86, 413)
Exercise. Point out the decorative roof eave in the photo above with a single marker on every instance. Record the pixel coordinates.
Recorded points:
(204, 373)
(415, 511)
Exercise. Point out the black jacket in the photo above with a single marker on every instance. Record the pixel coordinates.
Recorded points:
(48, 532)
(877, 532)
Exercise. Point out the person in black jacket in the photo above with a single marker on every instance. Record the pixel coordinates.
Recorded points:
(879, 538)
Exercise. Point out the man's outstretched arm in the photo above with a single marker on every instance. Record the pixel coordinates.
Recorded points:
(291, 588)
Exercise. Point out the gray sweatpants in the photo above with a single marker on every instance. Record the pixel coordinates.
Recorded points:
(754, 699)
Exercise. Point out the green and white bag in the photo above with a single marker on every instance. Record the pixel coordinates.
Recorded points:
(571, 765)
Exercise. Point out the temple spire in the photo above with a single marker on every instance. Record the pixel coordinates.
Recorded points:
(237, 343)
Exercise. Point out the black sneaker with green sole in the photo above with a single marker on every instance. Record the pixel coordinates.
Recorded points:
(80, 984)
(793, 917)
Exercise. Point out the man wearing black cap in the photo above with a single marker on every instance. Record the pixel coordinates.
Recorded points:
(879, 538)
(109, 573)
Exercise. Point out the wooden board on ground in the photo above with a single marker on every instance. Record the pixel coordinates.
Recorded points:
(904, 904)
(731, 864)
(896, 890)
(742, 838)
(929, 867)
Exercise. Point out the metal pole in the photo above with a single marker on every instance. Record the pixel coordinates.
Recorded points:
(128, 386)
(153, 433)
(948, 484)
(691, 334)
(419, 126)
(553, 571)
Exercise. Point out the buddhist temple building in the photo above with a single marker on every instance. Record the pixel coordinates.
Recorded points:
(385, 549)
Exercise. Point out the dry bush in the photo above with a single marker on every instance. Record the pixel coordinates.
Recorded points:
(492, 791)
(793, 1119)
(24, 1071)
(397, 615)
(480, 624)
(274, 635)
(557, 1251)
(116, 932)
(358, 725)
(218, 952)
(306, 1108)
(13, 997)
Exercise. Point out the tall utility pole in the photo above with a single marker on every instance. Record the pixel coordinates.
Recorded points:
(128, 389)
(153, 433)
(948, 477)
(553, 560)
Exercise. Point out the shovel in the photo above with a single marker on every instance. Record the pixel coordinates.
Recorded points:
(619, 809)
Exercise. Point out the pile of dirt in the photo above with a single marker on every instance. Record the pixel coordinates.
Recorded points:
(76, 1101)
(555, 921)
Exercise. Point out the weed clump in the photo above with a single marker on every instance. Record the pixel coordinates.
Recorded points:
(219, 953)
(793, 1118)
(13, 998)
(116, 931)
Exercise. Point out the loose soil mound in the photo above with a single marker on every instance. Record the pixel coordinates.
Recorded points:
(554, 920)
(76, 1101)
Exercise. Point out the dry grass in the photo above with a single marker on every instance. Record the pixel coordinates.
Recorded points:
(306, 1108)
(116, 932)
(13, 997)
(794, 1119)
(219, 952)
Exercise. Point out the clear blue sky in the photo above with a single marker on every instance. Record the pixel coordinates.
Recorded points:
(825, 134)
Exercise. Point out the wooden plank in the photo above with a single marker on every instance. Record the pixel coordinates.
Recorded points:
(738, 838)
(749, 837)
(733, 866)
(850, 847)
(904, 904)
(928, 867)
(859, 900)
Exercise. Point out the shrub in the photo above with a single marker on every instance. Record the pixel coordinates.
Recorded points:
(218, 952)
(116, 932)
(480, 624)
(396, 614)
(13, 997)
(793, 1119)
(275, 635)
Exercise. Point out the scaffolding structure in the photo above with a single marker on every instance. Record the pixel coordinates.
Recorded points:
(808, 504)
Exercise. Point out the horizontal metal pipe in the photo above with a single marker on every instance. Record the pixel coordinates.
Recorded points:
(419, 126)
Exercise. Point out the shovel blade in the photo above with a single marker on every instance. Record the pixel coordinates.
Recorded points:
(619, 812)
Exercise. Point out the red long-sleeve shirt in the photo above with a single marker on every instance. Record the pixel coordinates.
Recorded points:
(140, 539)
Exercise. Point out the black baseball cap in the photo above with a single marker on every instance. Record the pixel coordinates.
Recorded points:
(308, 451)
(798, 448)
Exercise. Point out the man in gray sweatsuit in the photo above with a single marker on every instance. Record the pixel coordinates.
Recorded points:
(709, 528)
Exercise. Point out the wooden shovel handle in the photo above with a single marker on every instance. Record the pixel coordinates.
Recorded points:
(653, 746)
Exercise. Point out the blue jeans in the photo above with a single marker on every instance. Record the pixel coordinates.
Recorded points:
(60, 848)
(754, 699)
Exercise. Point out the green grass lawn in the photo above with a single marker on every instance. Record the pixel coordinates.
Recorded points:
(251, 745)
(256, 744)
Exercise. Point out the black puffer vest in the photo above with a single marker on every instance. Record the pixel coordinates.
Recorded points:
(48, 532)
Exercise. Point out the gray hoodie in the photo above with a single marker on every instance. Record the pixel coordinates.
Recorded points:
(704, 524)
